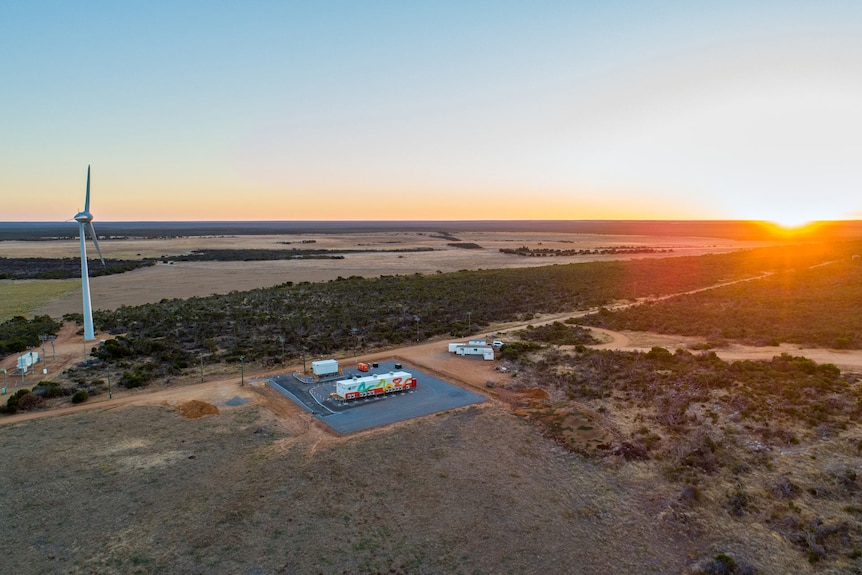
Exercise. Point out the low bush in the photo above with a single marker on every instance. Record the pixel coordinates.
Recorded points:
(14, 401)
(48, 389)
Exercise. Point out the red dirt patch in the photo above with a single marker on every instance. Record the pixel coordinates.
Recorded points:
(195, 409)
(576, 429)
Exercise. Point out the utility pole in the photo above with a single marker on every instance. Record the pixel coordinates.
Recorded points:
(202, 368)
(242, 370)
(416, 317)
(281, 339)
(469, 323)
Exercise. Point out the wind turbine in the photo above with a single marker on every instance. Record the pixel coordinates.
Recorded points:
(85, 221)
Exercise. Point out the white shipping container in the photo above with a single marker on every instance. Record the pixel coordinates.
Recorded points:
(26, 360)
(485, 351)
(324, 367)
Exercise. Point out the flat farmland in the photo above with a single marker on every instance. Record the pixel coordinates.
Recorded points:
(177, 279)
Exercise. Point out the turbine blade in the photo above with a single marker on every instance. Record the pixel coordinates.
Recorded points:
(95, 241)
(87, 199)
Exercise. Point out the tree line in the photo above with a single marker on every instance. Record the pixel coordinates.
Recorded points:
(63, 268)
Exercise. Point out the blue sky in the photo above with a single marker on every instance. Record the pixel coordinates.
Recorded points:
(432, 110)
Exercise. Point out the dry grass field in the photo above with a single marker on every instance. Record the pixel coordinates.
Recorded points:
(22, 297)
(143, 489)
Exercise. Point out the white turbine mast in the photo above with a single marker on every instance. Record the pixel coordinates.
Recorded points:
(85, 221)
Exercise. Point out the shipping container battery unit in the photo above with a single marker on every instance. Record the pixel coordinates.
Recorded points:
(371, 385)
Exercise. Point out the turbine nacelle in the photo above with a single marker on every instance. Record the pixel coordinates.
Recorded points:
(83, 217)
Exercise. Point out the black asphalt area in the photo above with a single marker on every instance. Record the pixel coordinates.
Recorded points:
(431, 395)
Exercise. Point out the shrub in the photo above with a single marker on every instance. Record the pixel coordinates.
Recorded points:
(738, 502)
(559, 334)
(138, 377)
(513, 351)
(13, 404)
(785, 488)
(724, 564)
(48, 389)
(660, 354)
(80, 396)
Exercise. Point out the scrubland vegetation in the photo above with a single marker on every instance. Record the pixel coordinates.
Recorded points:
(351, 313)
(20, 334)
(63, 268)
(613, 250)
(773, 443)
(250, 255)
(282, 323)
(815, 306)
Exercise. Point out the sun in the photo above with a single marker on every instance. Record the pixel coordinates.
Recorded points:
(790, 228)
(792, 224)
(791, 221)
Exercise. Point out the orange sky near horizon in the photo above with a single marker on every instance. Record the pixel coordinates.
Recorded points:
(400, 204)
(441, 110)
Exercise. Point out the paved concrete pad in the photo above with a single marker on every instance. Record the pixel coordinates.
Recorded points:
(430, 396)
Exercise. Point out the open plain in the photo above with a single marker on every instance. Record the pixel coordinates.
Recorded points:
(219, 477)
(372, 255)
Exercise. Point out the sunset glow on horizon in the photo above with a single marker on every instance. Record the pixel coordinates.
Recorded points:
(441, 111)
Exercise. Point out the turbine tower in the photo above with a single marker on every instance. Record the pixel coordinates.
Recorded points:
(85, 221)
